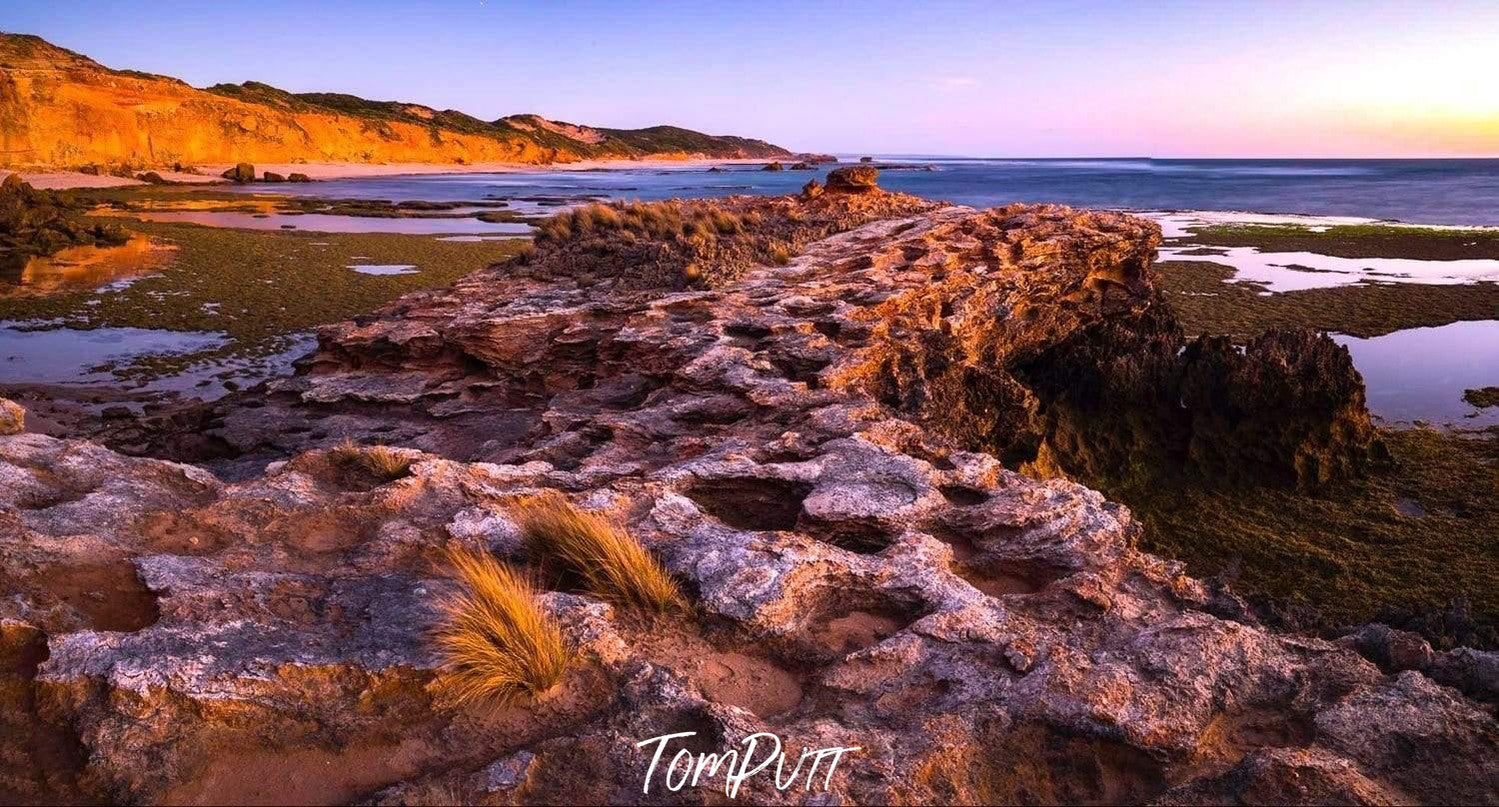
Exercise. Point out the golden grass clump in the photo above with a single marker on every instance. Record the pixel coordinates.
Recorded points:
(656, 220)
(381, 461)
(780, 254)
(611, 563)
(496, 641)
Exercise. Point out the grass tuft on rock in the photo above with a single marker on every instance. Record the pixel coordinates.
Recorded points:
(658, 220)
(382, 462)
(497, 642)
(610, 562)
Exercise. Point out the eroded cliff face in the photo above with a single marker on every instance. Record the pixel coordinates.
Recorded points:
(862, 576)
(62, 110)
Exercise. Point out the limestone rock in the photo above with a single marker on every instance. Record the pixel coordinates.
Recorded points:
(853, 179)
(12, 417)
(862, 575)
(241, 172)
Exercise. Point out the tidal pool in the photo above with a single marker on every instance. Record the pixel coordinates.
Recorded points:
(330, 223)
(1421, 373)
(82, 268)
(384, 268)
(69, 355)
(1295, 271)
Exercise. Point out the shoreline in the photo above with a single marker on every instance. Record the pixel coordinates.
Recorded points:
(67, 180)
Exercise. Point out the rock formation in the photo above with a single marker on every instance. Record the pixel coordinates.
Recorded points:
(36, 222)
(784, 437)
(12, 418)
(240, 172)
(853, 179)
(59, 109)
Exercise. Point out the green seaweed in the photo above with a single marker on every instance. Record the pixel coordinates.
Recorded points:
(259, 287)
(1206, 302)
(1352, 240)
(1413, 540)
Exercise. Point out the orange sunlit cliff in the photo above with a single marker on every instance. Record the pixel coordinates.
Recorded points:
(59, 109)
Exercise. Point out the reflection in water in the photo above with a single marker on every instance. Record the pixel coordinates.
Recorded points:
(64, 355)
(82, 268)
(70, 356)
(1420, 373)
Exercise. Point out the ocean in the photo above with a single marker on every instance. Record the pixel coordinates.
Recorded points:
(1454, 192)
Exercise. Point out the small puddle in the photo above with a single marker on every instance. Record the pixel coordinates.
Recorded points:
(1421, 373)
(384, 268)
(83, 268)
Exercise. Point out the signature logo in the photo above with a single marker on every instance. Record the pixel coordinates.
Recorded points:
(739, 764)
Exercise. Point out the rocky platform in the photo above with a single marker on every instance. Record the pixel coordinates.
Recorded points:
(785, 441)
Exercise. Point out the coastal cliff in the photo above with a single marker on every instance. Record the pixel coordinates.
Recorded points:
(796, 404)
(59, 109)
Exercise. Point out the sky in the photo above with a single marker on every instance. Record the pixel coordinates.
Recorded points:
(1327, 78)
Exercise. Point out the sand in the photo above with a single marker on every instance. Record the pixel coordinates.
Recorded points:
(209, 173)
(59, 180)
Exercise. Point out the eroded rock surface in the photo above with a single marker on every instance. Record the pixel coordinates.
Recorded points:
(782, 440)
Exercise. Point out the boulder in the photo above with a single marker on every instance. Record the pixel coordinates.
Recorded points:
(152, 178)
(1391, 649)
(241, 172)
(866, 159)
(39, 222)
(298, 177)
(12, 417)
(853, 179)
(271, 176)
(774, 166)
(1482, 397)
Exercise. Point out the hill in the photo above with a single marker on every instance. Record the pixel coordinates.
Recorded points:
(60, 109)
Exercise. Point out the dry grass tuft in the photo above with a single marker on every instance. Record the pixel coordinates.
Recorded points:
(780, 254)
(656, 220)
(497, 642)
(610, 561)
(381, 461)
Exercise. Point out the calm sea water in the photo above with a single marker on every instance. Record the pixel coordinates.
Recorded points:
(1422, 191)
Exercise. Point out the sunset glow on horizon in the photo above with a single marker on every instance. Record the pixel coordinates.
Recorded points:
(1330, 79)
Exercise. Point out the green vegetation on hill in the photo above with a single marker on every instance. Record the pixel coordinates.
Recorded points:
(626, 143)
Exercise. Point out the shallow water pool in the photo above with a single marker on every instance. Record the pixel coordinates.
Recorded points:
(1421, 373)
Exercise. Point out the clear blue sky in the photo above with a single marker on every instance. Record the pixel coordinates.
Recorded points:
(1324, 78)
